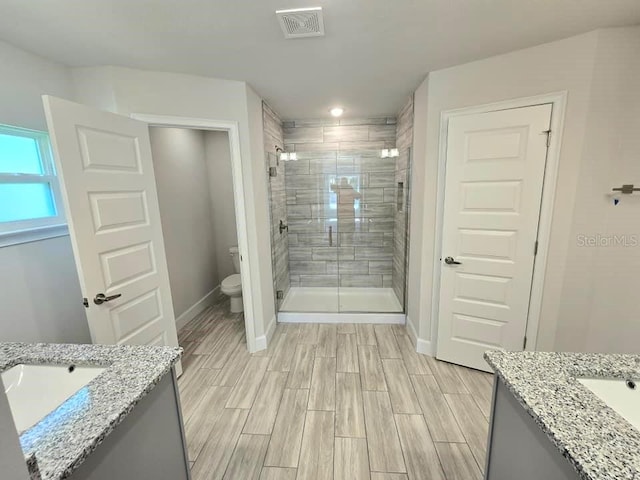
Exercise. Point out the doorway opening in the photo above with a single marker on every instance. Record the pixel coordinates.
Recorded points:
(194, 181)
(221, 139)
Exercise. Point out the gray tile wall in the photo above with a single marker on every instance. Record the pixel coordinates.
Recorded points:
(359, 213)
(404, 142)
(273, 136)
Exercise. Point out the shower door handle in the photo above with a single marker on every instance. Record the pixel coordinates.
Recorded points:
(331, 236)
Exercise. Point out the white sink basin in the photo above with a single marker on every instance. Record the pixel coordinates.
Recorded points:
(34, 391)
(618, 395)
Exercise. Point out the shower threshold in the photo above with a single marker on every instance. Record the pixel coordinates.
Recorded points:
(338, 305)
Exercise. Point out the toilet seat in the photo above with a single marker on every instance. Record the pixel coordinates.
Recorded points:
(232, 284)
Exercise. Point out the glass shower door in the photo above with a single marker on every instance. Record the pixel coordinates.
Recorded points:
(367, 203)
(312, 212)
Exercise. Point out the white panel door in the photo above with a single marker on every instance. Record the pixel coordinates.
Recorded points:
(104, 162)
(494, 176)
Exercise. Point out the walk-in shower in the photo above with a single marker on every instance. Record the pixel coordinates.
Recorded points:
(346, 206)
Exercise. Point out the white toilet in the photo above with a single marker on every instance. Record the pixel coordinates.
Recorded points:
(232, 285)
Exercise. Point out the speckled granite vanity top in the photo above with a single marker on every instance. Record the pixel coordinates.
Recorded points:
(66, 437)
(598, 442)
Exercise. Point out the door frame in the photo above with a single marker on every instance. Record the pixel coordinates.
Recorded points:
(559, 102)
(233, 130)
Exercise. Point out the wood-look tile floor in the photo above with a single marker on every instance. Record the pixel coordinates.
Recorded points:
(327, 401)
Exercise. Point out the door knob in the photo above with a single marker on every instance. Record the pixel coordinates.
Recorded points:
(451, 261)
(102, 298)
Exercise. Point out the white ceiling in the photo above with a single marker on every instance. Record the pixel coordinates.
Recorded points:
(374, 54)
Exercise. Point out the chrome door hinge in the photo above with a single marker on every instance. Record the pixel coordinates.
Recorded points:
(273, 172)
(548, 132)
(535, 248)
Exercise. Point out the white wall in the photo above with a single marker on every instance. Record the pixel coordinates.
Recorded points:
(137, 91)
(94, 86)
(218, 159)
(258, 208)
(600, 310)
(581, 65)
(182, 180)
(415, 289)
(40, 296)
(25, 78)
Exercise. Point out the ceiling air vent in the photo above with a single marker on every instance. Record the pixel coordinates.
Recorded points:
(301, 22)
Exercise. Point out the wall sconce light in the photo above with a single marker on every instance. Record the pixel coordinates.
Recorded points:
(389, 153)
(286, 156)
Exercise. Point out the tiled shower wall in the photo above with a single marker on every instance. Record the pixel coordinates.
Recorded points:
(404, 142)
(273, 136)
(341, 185)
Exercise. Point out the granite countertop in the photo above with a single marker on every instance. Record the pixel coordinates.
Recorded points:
(65, 438)
(599, 443)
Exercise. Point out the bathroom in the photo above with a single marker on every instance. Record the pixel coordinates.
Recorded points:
(384, 242)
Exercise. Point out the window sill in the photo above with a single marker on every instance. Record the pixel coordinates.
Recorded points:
(8, 239)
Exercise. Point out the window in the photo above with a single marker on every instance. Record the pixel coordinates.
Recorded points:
(30, 202)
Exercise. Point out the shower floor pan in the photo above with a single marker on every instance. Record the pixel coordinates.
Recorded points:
(338, 305)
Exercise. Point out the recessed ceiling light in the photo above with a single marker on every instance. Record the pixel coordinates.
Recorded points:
(337, 111)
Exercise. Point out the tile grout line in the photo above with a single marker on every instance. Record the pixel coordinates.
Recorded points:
(366, 433)
(304, 423)
(460, 426)
(466, 442)
(366, 436)
(235, 446)
(335, 406)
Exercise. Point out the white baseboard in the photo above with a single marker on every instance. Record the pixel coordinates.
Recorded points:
(422, 346)
(412, 331)
(197, 308)
(425, 347)
(381, 318)
(263, 341)
(271, 329)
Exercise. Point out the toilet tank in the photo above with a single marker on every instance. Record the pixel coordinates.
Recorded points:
(235, 258)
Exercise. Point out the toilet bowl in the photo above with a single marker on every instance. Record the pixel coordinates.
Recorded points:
(232, 285)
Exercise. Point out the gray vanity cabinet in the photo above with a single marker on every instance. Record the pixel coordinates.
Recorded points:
(518, 448)
(149, 444)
